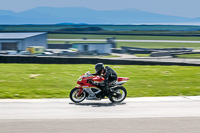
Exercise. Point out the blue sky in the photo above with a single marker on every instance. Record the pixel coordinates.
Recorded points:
(184, 8)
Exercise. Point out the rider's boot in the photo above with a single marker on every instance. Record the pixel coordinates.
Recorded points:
(107, 91)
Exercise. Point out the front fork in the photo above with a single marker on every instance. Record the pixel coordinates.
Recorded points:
(80, 91)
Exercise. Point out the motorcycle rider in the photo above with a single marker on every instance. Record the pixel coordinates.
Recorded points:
(108, 73)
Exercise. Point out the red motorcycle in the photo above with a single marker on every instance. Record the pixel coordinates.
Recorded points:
(92, 88)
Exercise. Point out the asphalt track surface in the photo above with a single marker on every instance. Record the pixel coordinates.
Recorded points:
(135, 115)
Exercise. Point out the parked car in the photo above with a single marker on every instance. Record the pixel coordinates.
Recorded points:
(35, 49)
(3, 52)
(46, 54)
(12, 52)
(67, 53)
(24, 53)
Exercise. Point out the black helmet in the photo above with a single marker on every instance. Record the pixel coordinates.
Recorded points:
(99, 67)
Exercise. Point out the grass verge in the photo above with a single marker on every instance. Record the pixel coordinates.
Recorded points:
(56, 81)
(142, 55)
(158, 45)
(191, 56)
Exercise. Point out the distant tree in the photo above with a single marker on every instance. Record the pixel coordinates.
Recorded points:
(81, 29)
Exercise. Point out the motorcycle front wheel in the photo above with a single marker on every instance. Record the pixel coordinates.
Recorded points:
(75, 97)
(118, 94)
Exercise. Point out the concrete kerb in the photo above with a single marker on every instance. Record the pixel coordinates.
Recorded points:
(137, 99)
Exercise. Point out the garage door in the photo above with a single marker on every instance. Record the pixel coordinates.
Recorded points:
(9, 46)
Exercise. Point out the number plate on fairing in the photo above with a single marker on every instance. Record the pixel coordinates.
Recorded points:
(80, 79)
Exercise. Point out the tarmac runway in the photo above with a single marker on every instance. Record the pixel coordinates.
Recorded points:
(130, 125)
(135, 115)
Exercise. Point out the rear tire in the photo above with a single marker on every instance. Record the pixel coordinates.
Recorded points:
(74, 95)
(118, 95)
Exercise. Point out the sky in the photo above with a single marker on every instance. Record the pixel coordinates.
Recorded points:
(183, 8)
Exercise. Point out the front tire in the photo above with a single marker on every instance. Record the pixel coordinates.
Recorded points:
(74, 95)
(118, 94)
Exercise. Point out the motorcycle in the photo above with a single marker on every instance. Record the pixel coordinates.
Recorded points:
(92, 88)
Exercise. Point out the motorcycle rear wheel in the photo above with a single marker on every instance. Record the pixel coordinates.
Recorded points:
(74, 95)
(118, 95)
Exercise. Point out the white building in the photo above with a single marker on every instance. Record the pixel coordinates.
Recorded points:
(20, 41)
(100, 48)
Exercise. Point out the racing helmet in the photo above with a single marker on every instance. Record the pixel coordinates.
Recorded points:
(99, 67)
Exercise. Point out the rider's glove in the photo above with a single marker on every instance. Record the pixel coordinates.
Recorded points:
(90, 81)
(95, 83)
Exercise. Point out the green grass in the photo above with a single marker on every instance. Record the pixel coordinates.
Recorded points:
(158, 45)
(142, 55)
(125, 37)
(192, 56)
(56, 81)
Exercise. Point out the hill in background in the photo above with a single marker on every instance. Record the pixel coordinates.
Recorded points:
(52, 15)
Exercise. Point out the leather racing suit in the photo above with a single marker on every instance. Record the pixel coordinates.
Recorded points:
(110, 77)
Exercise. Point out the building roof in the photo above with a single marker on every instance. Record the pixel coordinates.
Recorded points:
(19, 35)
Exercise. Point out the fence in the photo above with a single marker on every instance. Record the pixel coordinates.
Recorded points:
(71, 60)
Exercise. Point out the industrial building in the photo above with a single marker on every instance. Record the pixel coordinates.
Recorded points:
(88, 48)
(99, 48)
(20, 41)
